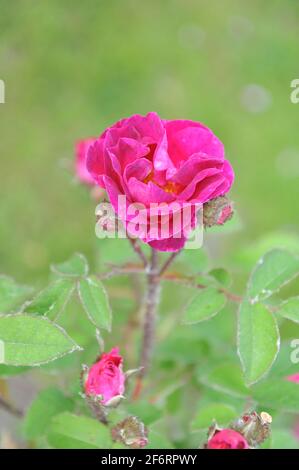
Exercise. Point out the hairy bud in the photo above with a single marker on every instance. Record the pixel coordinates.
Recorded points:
(130, 432)
(217, 211)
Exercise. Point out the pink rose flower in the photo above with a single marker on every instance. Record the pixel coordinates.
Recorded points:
(294, 378)
(106, 377)
(147, 161)
(82, 173)
(227, 439)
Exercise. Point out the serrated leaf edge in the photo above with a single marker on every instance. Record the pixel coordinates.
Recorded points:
(257, 298)
(90, 281)
(53, 268)
(204, 318)
(76, 347)
(29, 302)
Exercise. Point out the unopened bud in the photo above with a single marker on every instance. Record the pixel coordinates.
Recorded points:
(217, 211)
(130, 432)
(227, 439)
(103, 383)
(246, 432)
(254, 427)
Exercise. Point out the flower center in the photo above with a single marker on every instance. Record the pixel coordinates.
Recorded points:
(169, 187)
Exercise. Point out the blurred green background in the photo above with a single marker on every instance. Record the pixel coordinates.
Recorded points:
(72, 68)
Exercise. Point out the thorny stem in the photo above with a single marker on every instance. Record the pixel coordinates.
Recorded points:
(10, 408)
(154, 277)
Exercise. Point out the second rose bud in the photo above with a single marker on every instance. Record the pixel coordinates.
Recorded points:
(104, 383)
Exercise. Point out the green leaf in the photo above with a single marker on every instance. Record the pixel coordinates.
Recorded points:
(227, 378)
(258, 340)
(52, 300)
(272, 272)
(31, 341)
(68, 431)
(281, 395)
(95, 302)
(221, 276)
(290, 309)
(219, 412)
(204, 305)
(11, 294)
(76, 266)
(48, 403)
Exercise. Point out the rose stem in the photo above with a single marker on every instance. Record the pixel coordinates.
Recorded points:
(10, 408)
(151, 304)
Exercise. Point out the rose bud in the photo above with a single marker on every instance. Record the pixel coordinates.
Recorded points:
(104, 384)
(130, 432)
(82, 173)
(217, 211)
(254, 427)
(227, 439)
(105, 379)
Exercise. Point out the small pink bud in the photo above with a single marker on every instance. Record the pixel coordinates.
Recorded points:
(227, 439)
(82, 173)
(106, 379)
